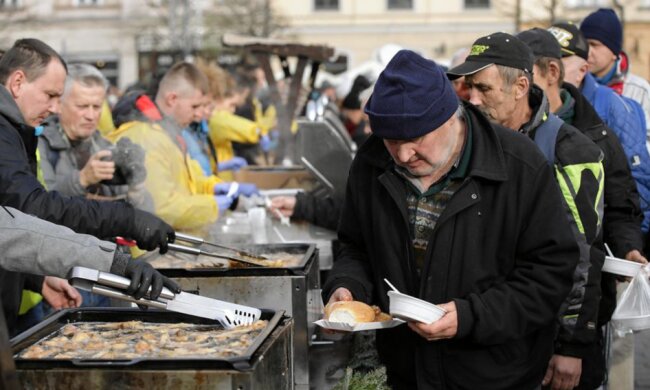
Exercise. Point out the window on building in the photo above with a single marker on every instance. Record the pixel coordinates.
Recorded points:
(400, 4)
(326, 5)
(10, 3)
(586, 3)
(87, 3)
(477, 4)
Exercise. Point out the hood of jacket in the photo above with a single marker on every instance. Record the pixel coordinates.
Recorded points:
(538, 102)
(135, 106)
(585, 116)
(54, 134)
(8, 107)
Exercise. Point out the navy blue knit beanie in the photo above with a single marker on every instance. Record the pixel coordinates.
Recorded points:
(411, 98)
(603, 25)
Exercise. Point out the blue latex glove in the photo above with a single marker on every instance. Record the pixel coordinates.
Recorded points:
(265, 143)
(247, 189)
(234, 164)
(223, 202)
(221, 188)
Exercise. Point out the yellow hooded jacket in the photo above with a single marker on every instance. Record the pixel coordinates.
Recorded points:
(226, 128)
(183, 196)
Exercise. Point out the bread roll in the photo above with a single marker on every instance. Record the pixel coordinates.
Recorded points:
(349, 312)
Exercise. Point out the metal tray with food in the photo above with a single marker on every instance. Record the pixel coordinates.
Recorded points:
(280, 259)
(146, 339)
(294, 289)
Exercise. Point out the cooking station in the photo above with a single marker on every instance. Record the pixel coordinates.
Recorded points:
(263, 365)
(288, 294)
(294, 288)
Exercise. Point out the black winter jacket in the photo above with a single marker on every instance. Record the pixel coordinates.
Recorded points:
(579, 170)
(323, 211)
(622, 219)
(20, 188)
(502, 250)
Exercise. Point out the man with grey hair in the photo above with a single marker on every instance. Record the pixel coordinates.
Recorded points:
(498, 73)
(76, 160)
(33, 75)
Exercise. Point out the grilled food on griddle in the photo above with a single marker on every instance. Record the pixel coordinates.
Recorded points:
(136, 339)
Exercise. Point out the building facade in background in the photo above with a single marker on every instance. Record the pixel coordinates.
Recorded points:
(129, 39)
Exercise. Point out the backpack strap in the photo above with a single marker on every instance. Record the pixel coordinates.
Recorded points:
(546, 136)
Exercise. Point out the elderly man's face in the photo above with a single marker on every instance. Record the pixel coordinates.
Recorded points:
(575, 69)
(489, 93)
(39, 98)
(81, 108)
(426, 155)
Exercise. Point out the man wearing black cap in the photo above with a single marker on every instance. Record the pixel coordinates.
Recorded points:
(621, 218)
(616, 111)
(499, 75)
(623, 214)
(458, 212)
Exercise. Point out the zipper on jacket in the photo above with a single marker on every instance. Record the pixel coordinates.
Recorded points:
(428, 256)
(388, 182)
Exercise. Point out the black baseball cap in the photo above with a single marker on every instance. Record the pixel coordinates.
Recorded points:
(541, 42)
(571, 40)
(498, 48)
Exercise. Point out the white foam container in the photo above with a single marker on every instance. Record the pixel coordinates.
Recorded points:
(634, 323)
(621, 267)
(410, 308)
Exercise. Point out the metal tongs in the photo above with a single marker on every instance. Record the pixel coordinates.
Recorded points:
(230, 315)
(199, 240)
(196, 251)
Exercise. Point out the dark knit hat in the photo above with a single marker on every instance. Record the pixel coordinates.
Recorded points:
(603, 25)
(541, 42)
(498, 48)
(571, 40)
(411, 98)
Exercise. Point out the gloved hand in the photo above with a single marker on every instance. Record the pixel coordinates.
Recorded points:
(222, 188)
(265, 143)
(234, 164)
(151, 232)
(142, 276)
(247, 189)
(223, 202)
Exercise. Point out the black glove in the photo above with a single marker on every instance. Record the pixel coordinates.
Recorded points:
(151, 232)
(142, 276)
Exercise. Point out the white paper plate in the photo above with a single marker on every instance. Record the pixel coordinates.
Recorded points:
(359, 326)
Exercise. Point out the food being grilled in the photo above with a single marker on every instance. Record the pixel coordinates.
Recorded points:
(354, 312)
(136, 339)
(183, 260)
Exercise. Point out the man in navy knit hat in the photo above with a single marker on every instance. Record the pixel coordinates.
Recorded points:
(607, 61)
(461, 213)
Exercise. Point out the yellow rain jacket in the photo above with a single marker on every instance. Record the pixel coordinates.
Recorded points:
(105, 124)
(266, 120)
(226, 127)
(182, 194)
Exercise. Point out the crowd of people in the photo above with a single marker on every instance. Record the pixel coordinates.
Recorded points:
(489, 188)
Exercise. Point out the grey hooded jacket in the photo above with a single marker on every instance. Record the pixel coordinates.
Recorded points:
(35, 246)
(60, 161)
